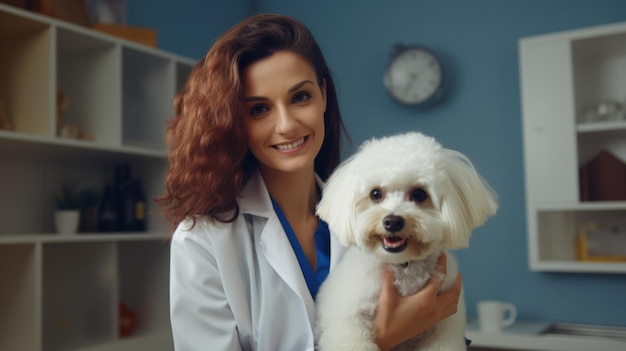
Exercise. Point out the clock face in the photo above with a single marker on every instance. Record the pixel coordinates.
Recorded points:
(414, 76)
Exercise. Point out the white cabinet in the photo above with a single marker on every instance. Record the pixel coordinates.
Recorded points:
(561, 75)
(62, 292)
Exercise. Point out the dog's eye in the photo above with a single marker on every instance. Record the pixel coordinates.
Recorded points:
(419, 195)
(376, 195)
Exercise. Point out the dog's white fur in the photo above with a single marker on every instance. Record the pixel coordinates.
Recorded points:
(438, 197)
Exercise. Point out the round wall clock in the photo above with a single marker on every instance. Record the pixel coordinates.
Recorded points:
(414, 76)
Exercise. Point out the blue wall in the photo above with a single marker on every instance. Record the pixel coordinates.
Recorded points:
(480, 115)
(187, 27)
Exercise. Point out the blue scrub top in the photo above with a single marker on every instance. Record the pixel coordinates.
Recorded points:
(313, 278)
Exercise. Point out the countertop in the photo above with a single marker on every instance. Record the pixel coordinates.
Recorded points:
(529, 335)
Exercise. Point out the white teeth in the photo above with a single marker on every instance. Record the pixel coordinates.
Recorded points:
(290, 146)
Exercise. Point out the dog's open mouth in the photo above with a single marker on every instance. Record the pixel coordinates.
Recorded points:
(394, 243)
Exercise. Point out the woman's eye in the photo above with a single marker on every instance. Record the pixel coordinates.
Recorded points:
(258, 110)
(419, 195)
(376, 195)
(301, 97)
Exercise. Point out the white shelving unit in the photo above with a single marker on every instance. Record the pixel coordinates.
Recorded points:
(62, 292)
(561, 74)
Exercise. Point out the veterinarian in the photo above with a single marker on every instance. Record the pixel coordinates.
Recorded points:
(257, 130)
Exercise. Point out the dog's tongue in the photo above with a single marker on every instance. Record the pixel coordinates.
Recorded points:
(393, 242)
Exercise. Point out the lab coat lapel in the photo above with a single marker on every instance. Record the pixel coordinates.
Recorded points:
(274, 243)
(279, 253)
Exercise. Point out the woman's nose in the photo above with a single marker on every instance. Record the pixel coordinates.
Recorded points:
(286, 121)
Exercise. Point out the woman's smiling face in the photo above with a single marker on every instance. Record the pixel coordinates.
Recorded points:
(284, 112)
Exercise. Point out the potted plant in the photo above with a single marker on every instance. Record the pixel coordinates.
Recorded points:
(67, 214)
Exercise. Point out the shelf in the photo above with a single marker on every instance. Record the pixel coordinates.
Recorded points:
(612, 126)
(581, 206)
(562, 74)
(573, 266)
(62, 292)
(158, 342)
(6, 239)
(23, 145)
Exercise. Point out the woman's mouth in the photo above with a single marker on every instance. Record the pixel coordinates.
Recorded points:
(291, 146)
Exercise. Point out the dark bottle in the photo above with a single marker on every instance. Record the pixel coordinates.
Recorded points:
(127, 212)
(107, 216)
(134, 205)
(139, 207)
(123, 178)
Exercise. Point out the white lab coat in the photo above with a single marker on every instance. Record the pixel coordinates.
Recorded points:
(238, 286)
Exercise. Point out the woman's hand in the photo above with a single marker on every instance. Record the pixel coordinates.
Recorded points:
(399, 318)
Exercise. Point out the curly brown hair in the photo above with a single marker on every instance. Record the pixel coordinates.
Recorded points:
(209, 159)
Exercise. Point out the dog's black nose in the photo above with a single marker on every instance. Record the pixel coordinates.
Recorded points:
(393, 223)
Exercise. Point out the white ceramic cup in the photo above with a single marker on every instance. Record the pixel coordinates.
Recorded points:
(495, 315)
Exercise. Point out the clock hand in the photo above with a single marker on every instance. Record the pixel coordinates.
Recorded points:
(410, 84)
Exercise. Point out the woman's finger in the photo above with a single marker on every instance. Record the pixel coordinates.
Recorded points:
(388, 289)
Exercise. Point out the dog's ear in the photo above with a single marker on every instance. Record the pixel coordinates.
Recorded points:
(466, 199)
(337, 206)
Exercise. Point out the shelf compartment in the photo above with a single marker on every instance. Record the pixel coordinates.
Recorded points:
(33, 183)
(32, 186)
(19, 320)
(148, 91)
(89, 75)
(592, 143)
(152, 173)
(80, 303)
(143, 286)
(27, 73)
(558, 229)
(598, 65)
(21, 182)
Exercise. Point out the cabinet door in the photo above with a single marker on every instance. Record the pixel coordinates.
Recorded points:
(549, 121)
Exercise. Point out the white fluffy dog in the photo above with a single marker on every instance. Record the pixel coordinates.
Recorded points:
(401, 200)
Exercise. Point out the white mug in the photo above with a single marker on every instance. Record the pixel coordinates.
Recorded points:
(495, 315)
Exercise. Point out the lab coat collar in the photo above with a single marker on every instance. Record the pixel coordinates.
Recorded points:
(274, 244)
(255, 199)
